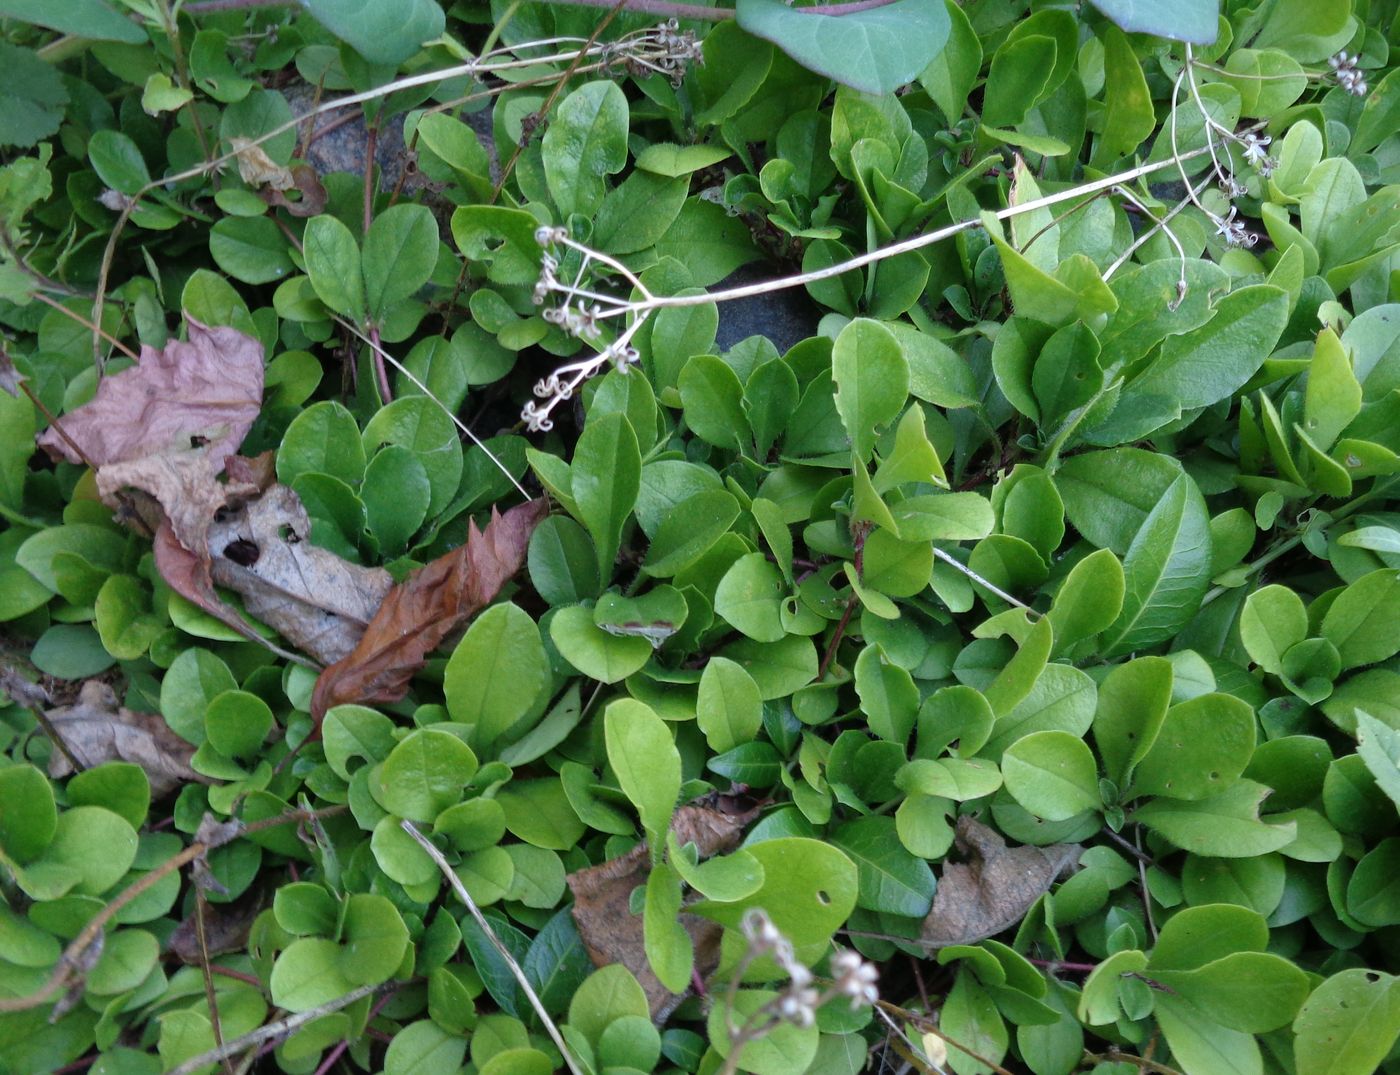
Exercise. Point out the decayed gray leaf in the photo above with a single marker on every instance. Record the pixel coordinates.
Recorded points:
(98, 730)
(203, 393)
(10, 378)
(993, 889)
(182, 483)
(314, 599)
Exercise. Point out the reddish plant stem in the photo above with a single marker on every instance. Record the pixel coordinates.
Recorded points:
(858, 540)
(344, 1043)
(238, 975)
(1061, 964)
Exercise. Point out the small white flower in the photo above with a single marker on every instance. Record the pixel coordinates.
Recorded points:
(1256, 148)
(855, 978)
(1343, 66)
(1234, 231)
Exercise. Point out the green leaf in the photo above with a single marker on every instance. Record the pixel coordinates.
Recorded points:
(749, 597)
(1017, 79)
(1348, 1024)
(333, 265)
(785, 1050)
(93, 19)
(1180, 20)
(643, 754)
(424, 775)
(891, 880)
(636, 214)
(728, 709)
(1090, 599)
(400, 251)
(28, 817)
(1272, 621)
(1226, 825)
(606, 469)
(586, 140)
(424, 1048)
(888, 696)
(35, 95)
(597, 654)
(382, 35)
(670, 952)
(951, 74)
(1379, 747)
(116, 159)
(1167, 570)
(876, 50)
(496, 673)
(1108, 495)
(1203, 745)
(913, 457)
(1333, 396)
(1129, 118)
(872, 381)
(1052, 774)
(712, 397)
(1360, 622)
(1253, 992)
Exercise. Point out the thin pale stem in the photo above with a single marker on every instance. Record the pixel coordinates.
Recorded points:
(953, 562)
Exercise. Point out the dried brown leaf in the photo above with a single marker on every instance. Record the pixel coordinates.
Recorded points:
(993, 889)
(313, 598)
(425, 608)
(183, 485)
(602, 902)
(226, 929)
(203, 393)
(257, 169)
(96, 729)
(308, 184)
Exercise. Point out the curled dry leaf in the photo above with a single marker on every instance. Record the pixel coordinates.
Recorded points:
(313, 598)
(203, 393)
(305, 182)
(96, 729)
(257, 169)
(226, 928)
(183, 487)
(993, 889)
(425, 608)
(603, 893)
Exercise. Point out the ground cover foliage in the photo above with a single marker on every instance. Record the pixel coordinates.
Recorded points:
(426, 650)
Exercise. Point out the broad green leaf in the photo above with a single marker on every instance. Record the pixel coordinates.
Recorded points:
(1129, 118)
(1272, 621)
(1348, 1024)
(872, 381)
(636, 214)
(380, 34)
(670, 952)
(333, 264)
(786, 1049)
(424, 775)
(1090, 599)
(876, 50)
(1181, 20)
(1200, 1044)
(1109, 494)
(1360, 622)
(1051, 774)
(94, 19)
(749, 597)
(1018, 78)
(400, 251)
(496, 673)
(599, 655)
(606, 473)
(1226, 825)
(712, 397)
(1251, 992)
(1132, 703)
(913, 457)
(888, 696)
(728, 709)
(951, 73)
(891, 880)
(1167, 570)
(643, 754)
(1203, 745)
(1379, 747)
(586, 141)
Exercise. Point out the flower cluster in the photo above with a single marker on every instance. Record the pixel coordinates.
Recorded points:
(1344, 70)
(666, 50)
(579, 315)
(797, 1003)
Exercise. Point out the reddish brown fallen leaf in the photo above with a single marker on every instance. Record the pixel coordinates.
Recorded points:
(308, 184)
(96, 729)
(204, 393)
(602, 901)
(425, 608)
(257, 169)
(259, 471)
(310, 596)
(993, 889)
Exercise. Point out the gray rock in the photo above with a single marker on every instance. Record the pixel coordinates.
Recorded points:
(786, 317)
